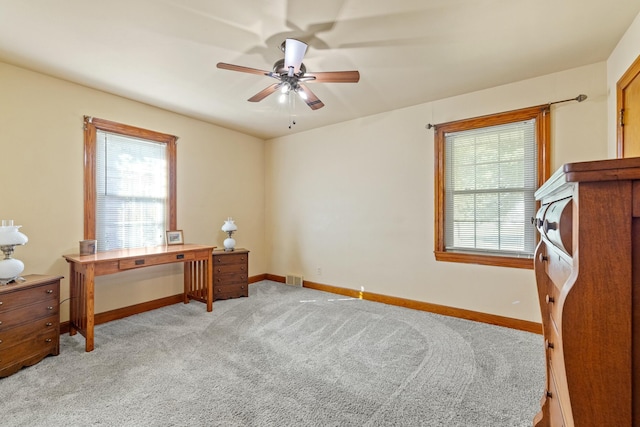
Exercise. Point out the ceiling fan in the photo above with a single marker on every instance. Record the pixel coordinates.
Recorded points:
(292, 75)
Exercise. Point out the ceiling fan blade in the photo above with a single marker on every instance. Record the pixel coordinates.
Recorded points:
(294, 51)
(242, 69)
(335, 77)
(309, 97)
(265, 92)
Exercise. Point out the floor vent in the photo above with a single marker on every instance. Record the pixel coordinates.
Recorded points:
(293, 280)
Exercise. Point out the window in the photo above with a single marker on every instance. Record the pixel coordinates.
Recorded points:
(487, 170)
(130, 185)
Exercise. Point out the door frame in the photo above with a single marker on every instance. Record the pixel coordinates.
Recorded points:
(632, 72)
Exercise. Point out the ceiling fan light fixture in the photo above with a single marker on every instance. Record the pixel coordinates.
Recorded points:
(302, 94)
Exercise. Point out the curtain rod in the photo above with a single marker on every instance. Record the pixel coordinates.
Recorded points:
(578, 98)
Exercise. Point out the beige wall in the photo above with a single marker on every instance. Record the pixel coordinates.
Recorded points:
(355, 200)
(348, 205)
(220, 174)
(619, 61)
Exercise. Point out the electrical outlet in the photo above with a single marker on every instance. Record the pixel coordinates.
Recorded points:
(319, 271)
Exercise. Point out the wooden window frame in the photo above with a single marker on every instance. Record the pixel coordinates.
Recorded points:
(543, 126)
(91, 126)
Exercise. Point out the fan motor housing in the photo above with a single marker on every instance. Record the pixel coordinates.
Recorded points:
(279, 68)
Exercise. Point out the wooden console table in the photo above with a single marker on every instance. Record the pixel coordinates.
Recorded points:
(84, 268)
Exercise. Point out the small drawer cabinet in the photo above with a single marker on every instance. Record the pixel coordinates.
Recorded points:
(230, 274)
(29, 322)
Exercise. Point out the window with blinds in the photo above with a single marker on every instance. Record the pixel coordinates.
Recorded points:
(490, 178)
(131, 192)
(486, 172)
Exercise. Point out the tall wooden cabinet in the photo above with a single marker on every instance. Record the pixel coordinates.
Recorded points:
(587, 270)
(29, 322)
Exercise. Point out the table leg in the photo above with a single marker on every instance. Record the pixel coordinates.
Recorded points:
(187, 281)
(73, 297)
(209, 283)
(89, 305)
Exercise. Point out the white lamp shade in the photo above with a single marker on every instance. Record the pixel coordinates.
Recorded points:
(229, 225)
(9, 235)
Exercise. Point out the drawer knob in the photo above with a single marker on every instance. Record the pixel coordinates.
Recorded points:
(549, 345)
(49, 291)
(48, 324)
(543, 258)
(0, 302)
(50, 308)
(47, 340)
(549, 394)
(0, 341)
(546, 226)
(550, 299)
(0, 322)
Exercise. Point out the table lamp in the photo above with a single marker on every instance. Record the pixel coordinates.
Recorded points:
(10, 237)
(229, 227)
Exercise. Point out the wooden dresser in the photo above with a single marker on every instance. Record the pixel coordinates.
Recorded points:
(587, 270)
(230, 274)
(29, 322)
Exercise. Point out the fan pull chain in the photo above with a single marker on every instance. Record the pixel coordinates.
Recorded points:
(292, 105)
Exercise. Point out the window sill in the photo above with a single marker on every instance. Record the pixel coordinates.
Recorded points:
(497, 261)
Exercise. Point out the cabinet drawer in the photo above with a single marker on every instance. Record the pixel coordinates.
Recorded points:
(44, 343)
(230, 269)
(228, 279)
(555, 407)
(553, 303)
(12, 336)
(228, 258)
(226, 292)
(12, 300)
(9, 319)
(145, 261)
(557, 267)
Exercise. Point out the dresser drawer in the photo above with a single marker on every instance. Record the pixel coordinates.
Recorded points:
(557, 266)
(229, 258)
(230, 269)
(18, 334)
(11, 300)
(226, 292)
(40, 344)
(229, 279)
(42, 309)
(555, 407)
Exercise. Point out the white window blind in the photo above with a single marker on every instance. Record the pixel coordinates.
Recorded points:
(490, 178)
(131, 191)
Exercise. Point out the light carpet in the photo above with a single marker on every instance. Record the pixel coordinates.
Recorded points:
(285, 356)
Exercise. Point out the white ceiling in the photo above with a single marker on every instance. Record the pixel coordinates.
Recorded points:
(164, 52)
